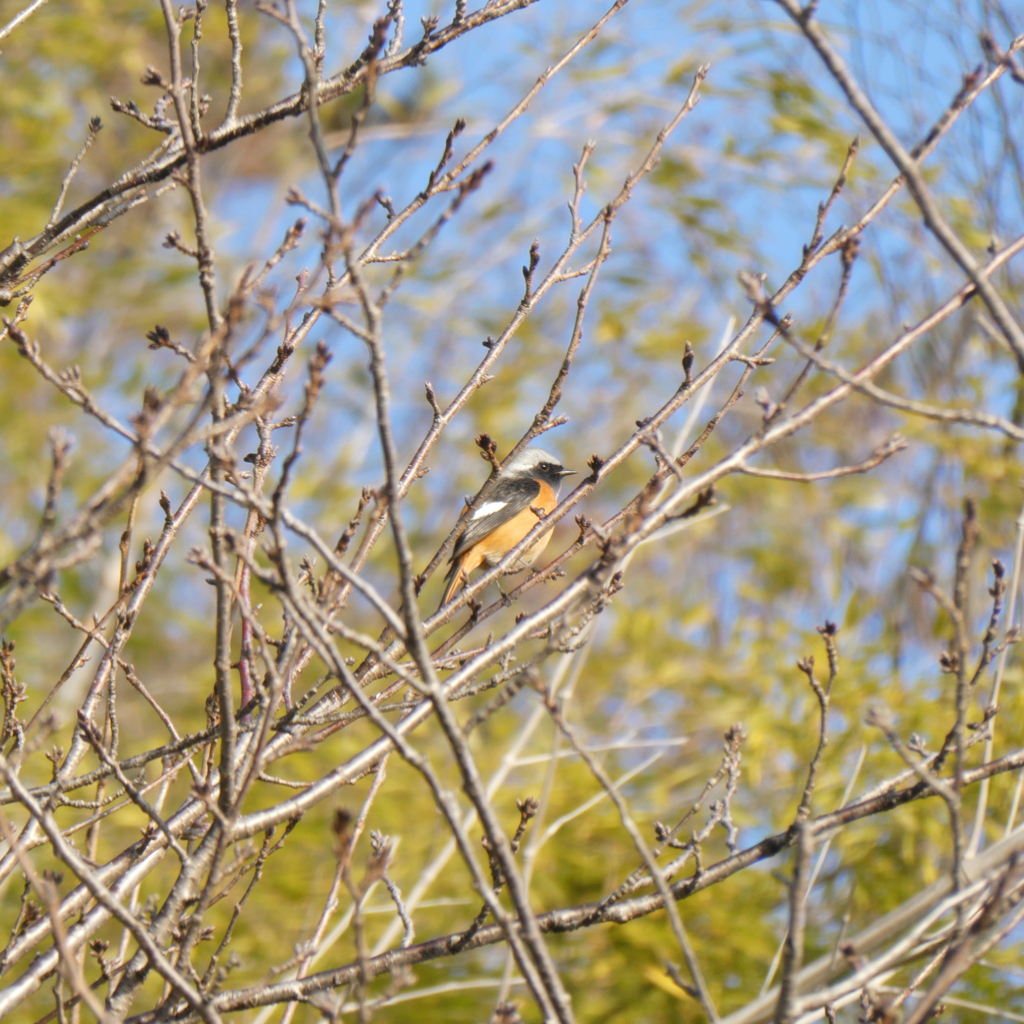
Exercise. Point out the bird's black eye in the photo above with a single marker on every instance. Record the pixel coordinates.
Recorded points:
(545, 467)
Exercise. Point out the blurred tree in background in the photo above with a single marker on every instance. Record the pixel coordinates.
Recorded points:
(748, 747)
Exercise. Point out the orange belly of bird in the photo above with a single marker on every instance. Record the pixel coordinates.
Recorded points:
(493, 548)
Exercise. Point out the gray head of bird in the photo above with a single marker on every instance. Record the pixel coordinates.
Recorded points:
(538, 464)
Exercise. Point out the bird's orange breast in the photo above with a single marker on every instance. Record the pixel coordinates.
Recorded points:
(491, 549)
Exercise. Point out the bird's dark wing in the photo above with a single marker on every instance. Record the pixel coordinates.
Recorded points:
(507, 500)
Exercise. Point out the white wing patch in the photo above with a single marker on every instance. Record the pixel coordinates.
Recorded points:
(486, 510)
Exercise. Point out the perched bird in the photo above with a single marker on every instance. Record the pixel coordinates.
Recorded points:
(531, 480)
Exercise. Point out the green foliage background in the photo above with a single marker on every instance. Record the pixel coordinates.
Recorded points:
(708, 628)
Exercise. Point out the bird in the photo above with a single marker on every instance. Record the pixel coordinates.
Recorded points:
(530, 481)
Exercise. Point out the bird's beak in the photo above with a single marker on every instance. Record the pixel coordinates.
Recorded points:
(568, 472)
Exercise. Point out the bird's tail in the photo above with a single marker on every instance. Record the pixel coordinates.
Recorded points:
(456, 578)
